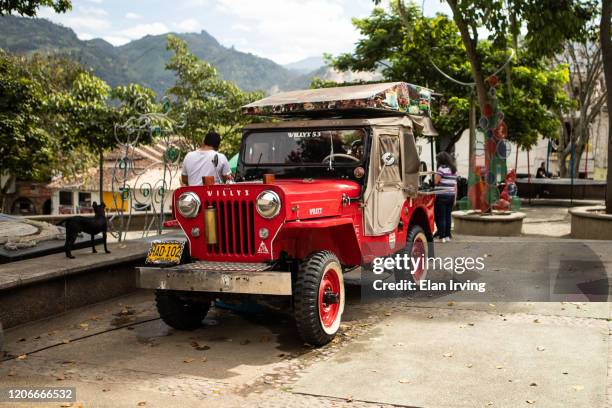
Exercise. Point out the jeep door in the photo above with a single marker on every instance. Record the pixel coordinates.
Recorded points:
(384, 196)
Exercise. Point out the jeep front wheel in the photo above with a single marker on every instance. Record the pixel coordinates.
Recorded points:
(180, 313)
(318, 297)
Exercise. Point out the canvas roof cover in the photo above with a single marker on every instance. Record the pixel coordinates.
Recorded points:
(381, 98)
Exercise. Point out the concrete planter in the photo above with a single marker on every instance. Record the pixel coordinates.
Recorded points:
(497, 225)
(591, 223)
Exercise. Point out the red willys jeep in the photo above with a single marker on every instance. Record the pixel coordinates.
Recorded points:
(328, 186)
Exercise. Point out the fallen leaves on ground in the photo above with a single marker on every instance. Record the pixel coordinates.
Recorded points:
(199, 346)
(533, 384)
(404, 381)
(530, 402)
(188, 360)
(540, 348)
(60, 376)
(449, 354)
(142, 403)
(22, 357)
(469, 365)
(499, 367)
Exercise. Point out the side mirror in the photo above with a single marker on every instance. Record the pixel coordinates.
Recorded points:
(388, 159)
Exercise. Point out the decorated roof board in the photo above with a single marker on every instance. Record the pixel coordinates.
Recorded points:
(389, 98)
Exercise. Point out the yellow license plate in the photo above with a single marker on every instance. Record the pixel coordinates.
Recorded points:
(165, 252)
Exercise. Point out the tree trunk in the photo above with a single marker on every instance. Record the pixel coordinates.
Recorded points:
(578, 150)
(606, 54)
(476, 66)
(472, 54)
(562, 164)
(4, 193)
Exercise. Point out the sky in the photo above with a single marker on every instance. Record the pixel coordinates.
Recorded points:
(282, 30)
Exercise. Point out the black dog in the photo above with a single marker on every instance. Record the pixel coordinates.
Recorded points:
(92, 226)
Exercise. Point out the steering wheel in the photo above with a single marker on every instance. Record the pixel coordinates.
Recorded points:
(342, 155)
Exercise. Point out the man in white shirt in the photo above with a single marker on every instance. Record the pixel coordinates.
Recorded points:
(206, 161)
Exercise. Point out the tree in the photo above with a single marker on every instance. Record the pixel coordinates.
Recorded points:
(588, 92)
(30, 7)
(89, 119)
(549, 24)
(606, 51)
(407, 45)
(203, 102)
(24, 147)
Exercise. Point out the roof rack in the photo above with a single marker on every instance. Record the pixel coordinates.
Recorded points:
(369, 100)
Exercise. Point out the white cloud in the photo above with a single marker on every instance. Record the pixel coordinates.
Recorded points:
(96, 1)
(189, 25)
(77, 21)
(241, 27)
(132, 16)
(93, 11)
(289, 30)
(140, 30)
(194, 3)
(85, 36)
(116, 40)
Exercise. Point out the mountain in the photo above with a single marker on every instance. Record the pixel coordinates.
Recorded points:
(306, 65)
(143, 60)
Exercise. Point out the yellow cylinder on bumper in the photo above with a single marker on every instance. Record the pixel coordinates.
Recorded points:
(210, 219)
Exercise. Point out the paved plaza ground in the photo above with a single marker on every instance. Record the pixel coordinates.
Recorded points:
(420, 351)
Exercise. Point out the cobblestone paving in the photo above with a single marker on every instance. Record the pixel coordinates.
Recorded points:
(272, 387)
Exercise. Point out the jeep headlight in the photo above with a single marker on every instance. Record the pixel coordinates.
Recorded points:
(188, 204)
(268, 204)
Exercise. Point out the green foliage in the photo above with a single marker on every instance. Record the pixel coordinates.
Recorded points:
(408, 44)
(203, 102)
(548, 23)
(30, 7)
(23, 145)
(55, 116)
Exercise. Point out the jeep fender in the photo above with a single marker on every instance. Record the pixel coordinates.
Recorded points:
(336, 234)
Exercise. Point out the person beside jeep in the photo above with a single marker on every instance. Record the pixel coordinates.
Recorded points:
(206, 161)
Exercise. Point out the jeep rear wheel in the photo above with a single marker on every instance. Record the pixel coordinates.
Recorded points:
(318, 297)
(180, 313)
(416, 247)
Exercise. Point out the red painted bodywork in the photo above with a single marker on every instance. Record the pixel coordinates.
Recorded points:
(313, 217)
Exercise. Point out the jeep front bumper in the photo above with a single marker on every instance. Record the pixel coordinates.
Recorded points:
(226, 277)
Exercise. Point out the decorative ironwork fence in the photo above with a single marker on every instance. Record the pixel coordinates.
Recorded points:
(144, 188)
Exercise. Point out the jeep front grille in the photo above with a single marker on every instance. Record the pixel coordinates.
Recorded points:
(235, 227)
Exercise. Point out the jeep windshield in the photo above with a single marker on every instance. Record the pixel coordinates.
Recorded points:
(304, 147)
